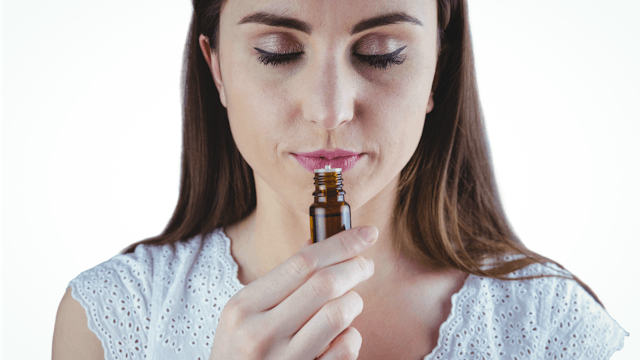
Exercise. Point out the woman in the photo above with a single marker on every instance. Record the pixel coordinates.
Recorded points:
(387, 91)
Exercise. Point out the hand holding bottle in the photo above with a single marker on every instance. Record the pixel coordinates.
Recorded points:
(302, 309)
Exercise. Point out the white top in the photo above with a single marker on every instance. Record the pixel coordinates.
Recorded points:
(164, 302)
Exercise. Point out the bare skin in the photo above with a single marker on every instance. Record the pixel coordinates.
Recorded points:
(72, 339)
(327, 100)
(403, 307)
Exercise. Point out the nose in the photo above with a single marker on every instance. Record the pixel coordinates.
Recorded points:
(328, 98)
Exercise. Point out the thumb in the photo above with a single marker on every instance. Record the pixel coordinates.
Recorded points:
(309, 242)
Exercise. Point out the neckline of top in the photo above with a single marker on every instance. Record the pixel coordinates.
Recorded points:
(441, 331)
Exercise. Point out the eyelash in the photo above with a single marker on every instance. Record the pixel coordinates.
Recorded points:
(375, 61)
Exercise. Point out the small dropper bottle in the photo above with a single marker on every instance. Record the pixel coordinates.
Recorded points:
(329, 213)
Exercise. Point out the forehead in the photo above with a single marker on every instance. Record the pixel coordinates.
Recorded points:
(337, 16)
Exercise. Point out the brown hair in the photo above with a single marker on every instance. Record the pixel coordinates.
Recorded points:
(448, 211)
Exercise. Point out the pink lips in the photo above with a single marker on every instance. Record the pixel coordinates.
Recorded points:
(336, 159)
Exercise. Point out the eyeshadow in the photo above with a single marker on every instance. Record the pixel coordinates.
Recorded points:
(278, 43)
(377, 45)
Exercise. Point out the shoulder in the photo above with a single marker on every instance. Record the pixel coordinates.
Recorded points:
(551, 316)
(108, 303)
(133, 278)
(123, 297)
(576, 324)
(71, 336)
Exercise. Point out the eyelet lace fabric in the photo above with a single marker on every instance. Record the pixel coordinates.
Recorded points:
(160, 302)
(543, 318)
(164, 302)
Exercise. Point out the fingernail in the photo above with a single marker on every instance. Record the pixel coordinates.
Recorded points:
(368, 233)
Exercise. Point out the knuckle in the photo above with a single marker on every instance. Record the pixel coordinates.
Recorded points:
(357, 301)
(235, 312)
(256, 345)
(303, 263)
(336, 317)
(350, 346)
(256, 338)
(324, 283)
(347, 246)
(357, 336)
(346, 352)
(363, 264)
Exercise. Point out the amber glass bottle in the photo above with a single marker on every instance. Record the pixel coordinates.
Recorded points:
(329, 213)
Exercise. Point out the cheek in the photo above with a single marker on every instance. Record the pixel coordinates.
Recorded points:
(397, 114)
(257, 119)
(398, 137)
(396, 121)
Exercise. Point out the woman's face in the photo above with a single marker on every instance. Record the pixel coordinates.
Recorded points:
(330, 92)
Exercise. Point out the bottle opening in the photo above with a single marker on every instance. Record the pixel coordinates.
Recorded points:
(328, 168)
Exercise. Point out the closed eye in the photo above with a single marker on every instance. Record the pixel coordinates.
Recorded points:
(382, 61)
(375, 61)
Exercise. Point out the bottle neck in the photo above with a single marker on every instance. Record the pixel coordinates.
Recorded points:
(328, 187)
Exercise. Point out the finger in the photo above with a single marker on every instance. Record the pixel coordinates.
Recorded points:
(346, 346)
(309, 242)
(275, 286)
(326, 285)
(326, 325)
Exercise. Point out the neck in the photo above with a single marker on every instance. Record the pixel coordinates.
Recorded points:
(275, 231)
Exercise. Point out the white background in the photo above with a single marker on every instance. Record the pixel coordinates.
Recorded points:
(92, 141)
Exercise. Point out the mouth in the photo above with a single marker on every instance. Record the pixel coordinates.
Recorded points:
(329, 154)
(319, 162)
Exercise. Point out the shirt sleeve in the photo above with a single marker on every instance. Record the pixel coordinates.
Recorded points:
(116, 296)
(579, 327)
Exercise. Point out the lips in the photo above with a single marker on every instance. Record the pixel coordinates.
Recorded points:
(336, 159)
(329, 154)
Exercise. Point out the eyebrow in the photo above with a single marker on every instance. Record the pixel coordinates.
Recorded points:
(270, 19)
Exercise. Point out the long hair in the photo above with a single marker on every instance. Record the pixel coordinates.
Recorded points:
(447, 211)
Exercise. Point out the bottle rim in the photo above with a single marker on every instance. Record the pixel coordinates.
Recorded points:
(328, 168)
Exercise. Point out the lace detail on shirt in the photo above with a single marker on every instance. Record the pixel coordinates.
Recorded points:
(115, 296)
(199, 280)
(579, 327)
(550, 318)
(165, 301)
(191, 284)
